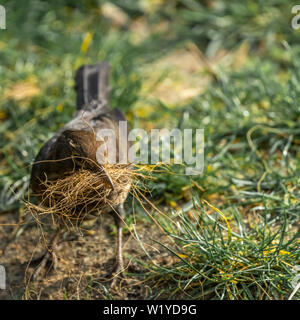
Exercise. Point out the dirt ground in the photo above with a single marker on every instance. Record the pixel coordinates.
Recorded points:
(83, 262)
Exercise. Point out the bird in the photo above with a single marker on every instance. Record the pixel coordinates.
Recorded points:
(79, 137)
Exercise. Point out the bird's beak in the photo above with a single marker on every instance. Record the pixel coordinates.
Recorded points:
(108, 179)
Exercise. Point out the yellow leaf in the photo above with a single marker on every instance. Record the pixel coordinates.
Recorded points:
(59, 108)
(281, 252)
(222, 216)
(144, 111)
(86, 42)
(173, 204)
(90, 232)
(2, 115)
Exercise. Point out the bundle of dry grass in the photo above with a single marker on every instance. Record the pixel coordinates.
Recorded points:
(82, 193)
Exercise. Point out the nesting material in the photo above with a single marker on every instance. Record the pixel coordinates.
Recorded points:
(82, 193)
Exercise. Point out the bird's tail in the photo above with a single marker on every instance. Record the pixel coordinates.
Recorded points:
(92, 84)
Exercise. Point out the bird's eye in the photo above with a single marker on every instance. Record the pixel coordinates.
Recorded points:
(71, 143)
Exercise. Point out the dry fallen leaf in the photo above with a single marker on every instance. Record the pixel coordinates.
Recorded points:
(22, 90)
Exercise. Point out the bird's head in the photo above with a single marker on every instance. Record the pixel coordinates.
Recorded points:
(76, 144)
